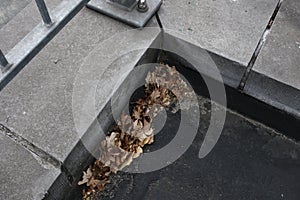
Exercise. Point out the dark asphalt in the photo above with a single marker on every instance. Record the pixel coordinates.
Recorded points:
(248, 162)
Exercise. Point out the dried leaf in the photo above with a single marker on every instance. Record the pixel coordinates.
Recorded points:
(86, 176)
(164, 87)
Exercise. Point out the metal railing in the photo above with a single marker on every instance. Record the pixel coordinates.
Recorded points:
(21, 54)
(44, 12)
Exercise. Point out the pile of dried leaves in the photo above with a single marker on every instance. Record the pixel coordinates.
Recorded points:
(164, 87)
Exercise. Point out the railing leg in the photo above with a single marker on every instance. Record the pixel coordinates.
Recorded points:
(44, 12)
(4, 65)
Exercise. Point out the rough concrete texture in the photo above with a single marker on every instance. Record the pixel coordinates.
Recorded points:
(17, 28)
(37, 104)
(101, 74)
(231, 28)
(9, 8)
(22, 176)
(280, 57)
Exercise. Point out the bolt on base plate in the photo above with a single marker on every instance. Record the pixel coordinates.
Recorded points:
(132, 18)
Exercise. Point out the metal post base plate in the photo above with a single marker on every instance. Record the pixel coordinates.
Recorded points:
(133, 18)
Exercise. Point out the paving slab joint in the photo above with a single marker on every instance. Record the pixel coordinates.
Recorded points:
(259, 47)
(159, 21)
(41, 154)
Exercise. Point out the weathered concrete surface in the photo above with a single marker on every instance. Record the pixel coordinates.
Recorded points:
(37, 104)
(18, 27)
(21, 174)
(9, 8)
(231, 28)
(280, 57)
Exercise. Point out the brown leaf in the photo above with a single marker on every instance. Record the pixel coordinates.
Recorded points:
(86, 176)
(164, 87)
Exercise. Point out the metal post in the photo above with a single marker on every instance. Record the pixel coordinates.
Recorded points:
(3, 62)
(37, 39)
(44, 12)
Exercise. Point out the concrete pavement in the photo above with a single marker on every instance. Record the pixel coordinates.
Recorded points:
(280, 56)
(10, 8)
(37, 103)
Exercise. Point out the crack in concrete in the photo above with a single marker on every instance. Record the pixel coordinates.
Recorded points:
(44, 158)
(259, 47)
